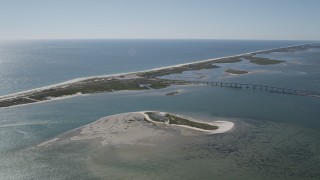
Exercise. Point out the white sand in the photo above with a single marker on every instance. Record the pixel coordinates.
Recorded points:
(127, 128)
(131, 128)
(224, 126)
(126, 75)
(47, 142)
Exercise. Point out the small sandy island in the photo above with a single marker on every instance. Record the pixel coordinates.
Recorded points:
(187, 122)
(140, 128)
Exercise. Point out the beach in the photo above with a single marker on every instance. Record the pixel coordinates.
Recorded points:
(134, 80)
(98, 128)
(133, 128)
(122, 142)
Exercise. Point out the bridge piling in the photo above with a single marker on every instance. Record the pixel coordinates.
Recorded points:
(267, 88)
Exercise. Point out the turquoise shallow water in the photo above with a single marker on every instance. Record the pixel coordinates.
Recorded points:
(276, 135)
(260, 136)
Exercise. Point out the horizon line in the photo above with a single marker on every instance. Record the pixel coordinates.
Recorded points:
(224, 39)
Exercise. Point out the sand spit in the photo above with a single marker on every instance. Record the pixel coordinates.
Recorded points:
(132, 128)
(47, 142)
(223, 126)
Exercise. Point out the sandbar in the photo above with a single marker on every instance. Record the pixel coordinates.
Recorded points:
(134, 128)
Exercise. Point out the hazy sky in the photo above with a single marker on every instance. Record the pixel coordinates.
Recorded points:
(160, 19)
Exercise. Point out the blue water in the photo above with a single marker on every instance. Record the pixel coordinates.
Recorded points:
(300, 71)
(288, 122)
(31, 64)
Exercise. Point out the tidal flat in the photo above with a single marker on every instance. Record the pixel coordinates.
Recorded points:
(107, 149)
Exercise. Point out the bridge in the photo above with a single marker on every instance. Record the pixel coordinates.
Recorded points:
(267, 88)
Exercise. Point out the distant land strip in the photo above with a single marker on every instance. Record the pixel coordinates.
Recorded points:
(141, 80)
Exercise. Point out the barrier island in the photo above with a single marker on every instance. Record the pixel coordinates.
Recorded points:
(142, 80)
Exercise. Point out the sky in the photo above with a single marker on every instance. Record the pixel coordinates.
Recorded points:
(160, 19)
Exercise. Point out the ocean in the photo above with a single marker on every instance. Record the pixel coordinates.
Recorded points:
(31, 64)
(276, 135)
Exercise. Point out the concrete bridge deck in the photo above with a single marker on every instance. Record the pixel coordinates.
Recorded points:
(266, 88)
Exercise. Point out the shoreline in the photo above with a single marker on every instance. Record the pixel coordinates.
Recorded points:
(223, 126)
(3, 97)
(127, 81)
(102, 127)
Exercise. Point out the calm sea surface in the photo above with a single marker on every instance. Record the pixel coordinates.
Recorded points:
(30, 64)
(276, 135)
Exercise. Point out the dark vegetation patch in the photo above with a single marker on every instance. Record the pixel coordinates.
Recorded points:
(236, 71)
(171, 119)
(263, 61)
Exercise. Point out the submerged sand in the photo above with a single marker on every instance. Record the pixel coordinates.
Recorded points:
(133, 128)
(125, 146)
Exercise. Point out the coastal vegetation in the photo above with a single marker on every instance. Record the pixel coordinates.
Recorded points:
(90, 86)
(172, 93)
(302, 47)
(172, 119)
(228, 60)
(139, 80)
(263, 61)
(236, 71)
(178, 69)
